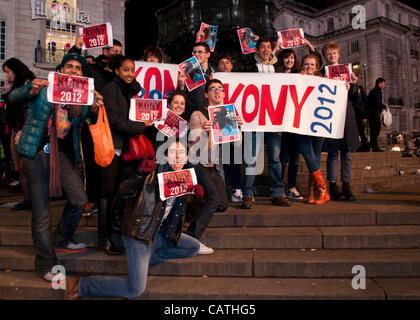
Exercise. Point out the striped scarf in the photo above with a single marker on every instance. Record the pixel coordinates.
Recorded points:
(55, 186)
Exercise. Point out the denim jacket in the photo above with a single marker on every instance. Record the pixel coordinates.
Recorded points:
(37, 117)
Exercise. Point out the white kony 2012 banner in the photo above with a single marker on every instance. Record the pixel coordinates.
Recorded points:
(157, 80)
(277, 102)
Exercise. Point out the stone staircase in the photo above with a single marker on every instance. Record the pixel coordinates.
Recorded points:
(370, 170)
(300, 252)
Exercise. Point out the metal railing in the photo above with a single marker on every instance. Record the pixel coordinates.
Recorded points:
(49, 56)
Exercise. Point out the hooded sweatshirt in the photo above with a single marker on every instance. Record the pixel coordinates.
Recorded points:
(266, 68)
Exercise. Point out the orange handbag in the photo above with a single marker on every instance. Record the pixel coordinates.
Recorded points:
(102, 139)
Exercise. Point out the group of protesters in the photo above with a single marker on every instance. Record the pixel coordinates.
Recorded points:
(49, 141)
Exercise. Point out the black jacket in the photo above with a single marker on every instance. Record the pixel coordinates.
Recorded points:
(375, 104)
(117, 95)
(360, 105)
(142, 214)
(96, 71)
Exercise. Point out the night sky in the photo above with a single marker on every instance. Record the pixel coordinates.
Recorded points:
(142, 28)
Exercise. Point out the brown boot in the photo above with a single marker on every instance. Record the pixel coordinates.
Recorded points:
(311, 188)
(247, 203)
(72, 289)
(280, 201)
(321, 186)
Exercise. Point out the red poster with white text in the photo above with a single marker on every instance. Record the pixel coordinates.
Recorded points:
(97, 36)
(66, 89)
(146, 109)
(339, 72)
(291, 38)
(176, 184)
(173, 125)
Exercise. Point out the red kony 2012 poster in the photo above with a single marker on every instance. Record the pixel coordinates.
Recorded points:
(173, 125)
(146, 109)
(97, 36)
(66, 89)
(291, 38)
(339, 72)
(176, 183)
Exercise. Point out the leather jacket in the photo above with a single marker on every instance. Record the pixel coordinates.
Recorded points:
(143, 213)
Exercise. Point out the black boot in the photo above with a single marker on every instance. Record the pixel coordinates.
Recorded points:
(335, 194)
(348, 195)
(105, 242)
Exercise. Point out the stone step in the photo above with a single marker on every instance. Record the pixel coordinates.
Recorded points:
(24, 285)
(380, 183)
(364, 211)
(357, 237)
(238, 263)
(371, 237)
(357, 174)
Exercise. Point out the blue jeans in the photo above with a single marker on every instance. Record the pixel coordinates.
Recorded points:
(305, 147)
(274, 164)
(215, 198)
(289, 153)
(37, 172)
(253, 152)
(317, 145)
(332, 166)
(139, 257)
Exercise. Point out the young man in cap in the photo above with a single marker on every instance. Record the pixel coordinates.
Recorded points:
(49, 144)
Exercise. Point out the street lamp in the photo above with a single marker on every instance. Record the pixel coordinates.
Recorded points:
(364, 76)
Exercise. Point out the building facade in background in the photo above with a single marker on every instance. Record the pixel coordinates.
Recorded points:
(388, 47)
(40, 32)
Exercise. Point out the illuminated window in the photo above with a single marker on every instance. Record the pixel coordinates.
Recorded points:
(403, 76)
(60, 29)
(2, 40)
(414, 73)
(356, 68)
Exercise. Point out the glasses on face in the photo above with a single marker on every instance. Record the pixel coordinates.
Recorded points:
(198, 52)
(214, 89)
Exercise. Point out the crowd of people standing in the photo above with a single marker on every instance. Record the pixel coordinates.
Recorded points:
(48, 141)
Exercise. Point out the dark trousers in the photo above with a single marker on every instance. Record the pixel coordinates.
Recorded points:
(215, 197)
(92, 170)
(289, 153)
(37, 172)
(361, 128)
(234, 170)
(374, 119)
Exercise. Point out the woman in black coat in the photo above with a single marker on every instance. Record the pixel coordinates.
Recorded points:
(117, 95)
(360, 108)
(18, 74)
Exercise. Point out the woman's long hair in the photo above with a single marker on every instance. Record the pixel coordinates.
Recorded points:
(283, 55)
(20, 70)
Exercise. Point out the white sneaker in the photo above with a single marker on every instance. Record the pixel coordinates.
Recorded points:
(15, 183)
(237, 195)
(294, 194)
(204, 249)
